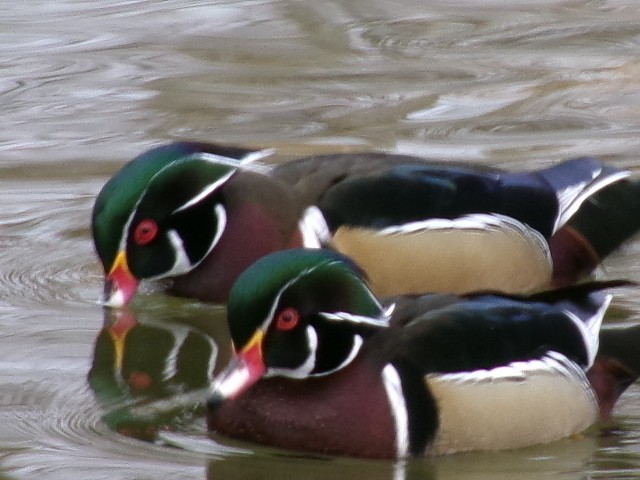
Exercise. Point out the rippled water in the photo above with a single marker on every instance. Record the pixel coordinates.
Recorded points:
(87, 85)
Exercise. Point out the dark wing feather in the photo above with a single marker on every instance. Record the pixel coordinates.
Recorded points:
(411, 193)
(489, 331)
(381, 190)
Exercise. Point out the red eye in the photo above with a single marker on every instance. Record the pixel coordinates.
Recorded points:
(287, 319)
(145, 232)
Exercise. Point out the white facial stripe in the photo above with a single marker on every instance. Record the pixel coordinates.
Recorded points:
(359, 319)
(247, 162)
(257, 155)
(355, 348)
(267, 321)
(193, 201)
(182, 263)
(276, 301)
(125, 231)
(127, 225)
(357, 344)
(309, 364)
(221, 221)
(393, 388)
(208, 190)
(221, 217)
(312, 336)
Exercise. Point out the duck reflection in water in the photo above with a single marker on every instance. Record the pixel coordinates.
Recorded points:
(140, 359)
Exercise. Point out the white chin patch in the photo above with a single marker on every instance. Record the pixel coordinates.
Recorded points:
(182, 264)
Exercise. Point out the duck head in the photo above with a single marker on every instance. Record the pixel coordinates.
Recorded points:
(163, 213)
(297, 314)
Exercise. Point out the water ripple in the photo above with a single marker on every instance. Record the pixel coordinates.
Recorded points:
(66, 433)
(87, 85)
(27, 279)
(43, 263)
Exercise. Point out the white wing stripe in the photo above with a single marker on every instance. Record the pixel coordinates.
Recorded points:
(476, 221)
(552, 362)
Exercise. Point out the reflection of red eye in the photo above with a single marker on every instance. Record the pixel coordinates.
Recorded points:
(145, 232)
(287, 319)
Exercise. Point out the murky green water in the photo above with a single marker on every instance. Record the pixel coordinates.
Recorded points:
(85, 86)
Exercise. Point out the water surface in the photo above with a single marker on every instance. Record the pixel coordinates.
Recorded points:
(85, 86)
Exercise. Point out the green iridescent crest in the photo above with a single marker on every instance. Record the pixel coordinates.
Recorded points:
(120, 194)
(173, 173)
(312, 281)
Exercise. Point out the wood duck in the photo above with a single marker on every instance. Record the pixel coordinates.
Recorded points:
(323, 366)
(199, 214)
